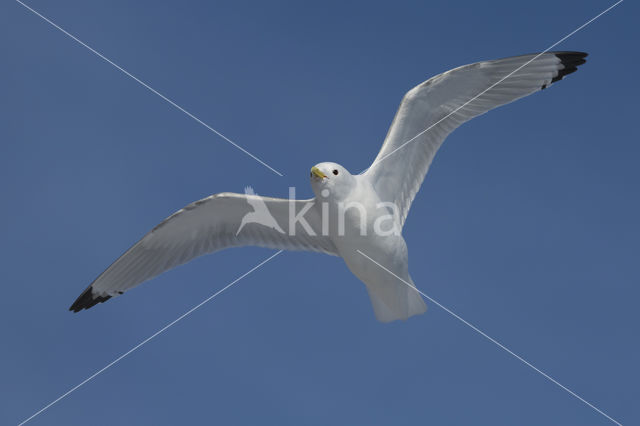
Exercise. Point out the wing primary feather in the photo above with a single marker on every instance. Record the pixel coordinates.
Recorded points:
(86, 300)
(571, 61)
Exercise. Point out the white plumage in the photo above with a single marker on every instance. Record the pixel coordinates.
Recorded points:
(332, 222)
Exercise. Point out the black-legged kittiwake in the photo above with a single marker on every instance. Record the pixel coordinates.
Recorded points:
(358, 217)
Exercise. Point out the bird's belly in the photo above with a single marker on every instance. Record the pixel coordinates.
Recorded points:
(364, 232)
(368, 257)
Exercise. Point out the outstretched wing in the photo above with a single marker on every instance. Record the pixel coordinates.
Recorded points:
(209, 225)
(433, 109)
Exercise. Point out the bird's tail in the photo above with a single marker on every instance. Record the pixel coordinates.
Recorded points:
(395, 300)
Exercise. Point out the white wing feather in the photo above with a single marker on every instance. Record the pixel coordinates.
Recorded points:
(206, 226)
(443, 103)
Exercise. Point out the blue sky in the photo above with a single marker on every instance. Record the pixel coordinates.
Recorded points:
(527, 224)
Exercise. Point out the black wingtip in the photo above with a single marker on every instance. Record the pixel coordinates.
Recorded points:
(86, 300)
(571, 62)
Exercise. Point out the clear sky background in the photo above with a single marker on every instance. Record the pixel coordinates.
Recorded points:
(526, 226)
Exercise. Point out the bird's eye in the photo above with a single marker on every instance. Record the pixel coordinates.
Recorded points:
(335, 171)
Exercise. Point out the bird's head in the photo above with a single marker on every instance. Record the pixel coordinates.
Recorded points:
(331, 180)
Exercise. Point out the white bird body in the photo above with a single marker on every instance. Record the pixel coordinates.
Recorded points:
(356, 217)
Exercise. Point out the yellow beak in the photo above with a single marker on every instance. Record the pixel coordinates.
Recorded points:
(316, 171)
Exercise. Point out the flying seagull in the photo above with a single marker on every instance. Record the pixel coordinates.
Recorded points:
(357, 217)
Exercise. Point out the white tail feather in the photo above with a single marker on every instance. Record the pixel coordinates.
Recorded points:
(395, 301)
